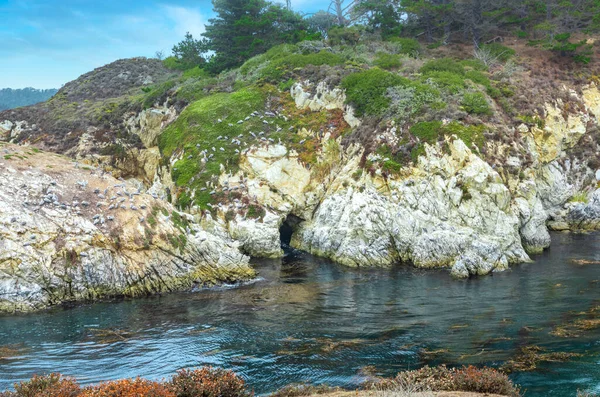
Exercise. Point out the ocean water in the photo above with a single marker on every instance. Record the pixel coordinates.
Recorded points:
(310, 320)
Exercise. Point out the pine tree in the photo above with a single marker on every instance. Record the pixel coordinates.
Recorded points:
(245, 28)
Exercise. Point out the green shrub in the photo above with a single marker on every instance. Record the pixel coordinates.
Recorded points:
(449, 81)
(476, 103)
(474, 64)
(340, 35)
(387, 61)
(277, 68)
(410, 100)
(366, 90)
(478, 78)
(500, 52)
(443, 65)
(171, 63)
(192, 90)
(195, 73)
(286, 85)
(408, 46)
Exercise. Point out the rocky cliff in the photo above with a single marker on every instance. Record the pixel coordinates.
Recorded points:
(438, 163)
(70, 232)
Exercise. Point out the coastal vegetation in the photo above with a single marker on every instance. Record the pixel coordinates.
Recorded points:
(214, 382)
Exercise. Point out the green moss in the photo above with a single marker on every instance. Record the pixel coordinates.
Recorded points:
(366, 90)
(469, 134)
(387, 61)
(198, 129)
(427, 131)
(476, 103)
(255, 212)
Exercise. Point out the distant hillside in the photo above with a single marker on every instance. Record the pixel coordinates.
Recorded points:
(11, 98)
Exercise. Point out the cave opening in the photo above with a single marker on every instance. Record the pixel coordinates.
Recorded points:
(287, 229)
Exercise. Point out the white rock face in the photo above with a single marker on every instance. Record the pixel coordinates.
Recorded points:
(67, 234)
(586, 216)
(149, 124)
(453, 211)
(324, 98)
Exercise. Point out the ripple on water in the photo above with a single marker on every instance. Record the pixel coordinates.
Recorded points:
(306, 319)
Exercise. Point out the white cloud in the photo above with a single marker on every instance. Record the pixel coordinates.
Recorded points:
(186, 20)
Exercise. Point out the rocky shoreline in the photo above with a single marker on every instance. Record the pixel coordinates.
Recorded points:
(70, 232)
(72, 229)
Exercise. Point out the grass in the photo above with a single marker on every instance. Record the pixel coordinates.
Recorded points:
(580, 197)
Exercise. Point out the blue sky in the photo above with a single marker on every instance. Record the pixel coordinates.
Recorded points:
(46, 43)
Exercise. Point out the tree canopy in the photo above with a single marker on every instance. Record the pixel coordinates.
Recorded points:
(245, 28)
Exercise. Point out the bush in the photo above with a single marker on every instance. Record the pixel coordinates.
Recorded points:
(465, 379)
(195, 73)
(449, 81)
(208, 382)
(427, 131)
(387, 61)
(476, 103)
(128, 388)
(53, 385)
(443, 65)
(277, 68)
(474, 64)
(407, 46)
(340, 35)
(366, 90)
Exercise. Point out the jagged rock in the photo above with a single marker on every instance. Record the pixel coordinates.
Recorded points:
(77, 255)
(324, 98)
(452, 211)
(149, 123)
(585, 216)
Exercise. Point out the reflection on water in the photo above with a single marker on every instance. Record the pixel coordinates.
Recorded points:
(311, 320)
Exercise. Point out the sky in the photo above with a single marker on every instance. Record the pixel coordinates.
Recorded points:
(47, 43)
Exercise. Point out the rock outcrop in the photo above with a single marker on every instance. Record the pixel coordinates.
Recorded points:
(69, 232)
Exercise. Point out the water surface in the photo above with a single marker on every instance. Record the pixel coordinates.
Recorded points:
(308, 319)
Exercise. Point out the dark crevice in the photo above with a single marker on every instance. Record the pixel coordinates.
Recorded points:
(287, 228)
